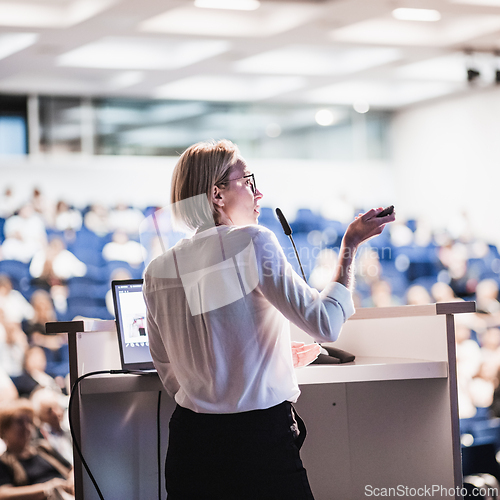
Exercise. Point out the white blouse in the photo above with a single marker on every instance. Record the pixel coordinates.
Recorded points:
(219, 306)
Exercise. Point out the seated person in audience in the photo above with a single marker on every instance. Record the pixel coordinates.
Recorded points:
(487, 304)
(34, 375)
(41, 206)
(324, 267)
(55, 346)
(417, 295)
(15, 307)
(482, 386)
(54, 426)
(489, 341)
(96, 220)
(8, 203)
(468, 364)
(117, 274)
(15, 248)
(381, 295)
(66, 218)
(43, 312)
(13, 345)
(127, 219)
(441, 292)
(369, 270)
(28, 225)
(8, 390)
(29, 470)
(55, 265)
(124, 249)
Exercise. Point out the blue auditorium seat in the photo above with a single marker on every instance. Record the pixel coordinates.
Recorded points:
(2, 224)
(18, 272)
(306, 220)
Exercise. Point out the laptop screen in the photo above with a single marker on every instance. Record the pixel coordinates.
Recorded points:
(130, 312)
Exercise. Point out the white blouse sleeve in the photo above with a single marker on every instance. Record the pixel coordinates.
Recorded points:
(320, 314)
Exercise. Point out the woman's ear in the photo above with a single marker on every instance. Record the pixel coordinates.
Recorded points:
(217, 197)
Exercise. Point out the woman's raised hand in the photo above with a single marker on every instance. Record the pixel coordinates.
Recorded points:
(365, 226)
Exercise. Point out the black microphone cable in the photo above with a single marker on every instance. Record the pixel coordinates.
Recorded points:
(72, 431)
(288, 231)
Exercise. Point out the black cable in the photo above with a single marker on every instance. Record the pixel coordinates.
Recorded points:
(72, 431)
(158, 443)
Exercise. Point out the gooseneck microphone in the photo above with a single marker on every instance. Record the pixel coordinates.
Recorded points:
(288, 231)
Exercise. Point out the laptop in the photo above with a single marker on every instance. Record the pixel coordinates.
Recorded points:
(130, 313)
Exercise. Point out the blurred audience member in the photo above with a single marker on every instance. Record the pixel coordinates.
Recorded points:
(55, 345)
(454, 259)
(13, 345)
(127, 219)
(441, 292)
(55, 265)
(417, 295)
(324, 268)
(8, 390)
(28, 226)
(43, 312)
(41, 206)
(482, 386)
(15, 307)
(487, 298)
(15, 248)
(8, 203)
(468, 364)
(381, 295)
(96, 220)
(66, 218)
(124, 249)
(54, 427)
(29, 470)
(401, 234)
(34, 375)
(117, 274)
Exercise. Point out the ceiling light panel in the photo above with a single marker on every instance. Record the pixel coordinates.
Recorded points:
(229, 88)
(10, 43)
(266, 21)
(142, 53)
(389, 31)
(320, 60)
(60, 15)
(382, 94)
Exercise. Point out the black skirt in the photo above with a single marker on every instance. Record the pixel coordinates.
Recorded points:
(251, 455)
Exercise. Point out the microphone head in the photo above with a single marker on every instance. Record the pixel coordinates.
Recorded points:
(284, 224)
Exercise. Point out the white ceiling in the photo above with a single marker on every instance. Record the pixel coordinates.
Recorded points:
(316, 51)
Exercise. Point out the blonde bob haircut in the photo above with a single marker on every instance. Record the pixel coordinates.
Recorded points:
(199, 169)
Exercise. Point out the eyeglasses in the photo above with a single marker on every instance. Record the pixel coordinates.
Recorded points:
(253, 186)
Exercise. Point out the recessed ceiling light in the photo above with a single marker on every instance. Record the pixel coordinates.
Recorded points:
(428, 15)
(324, 117)
(141, 53)
(228, 4)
